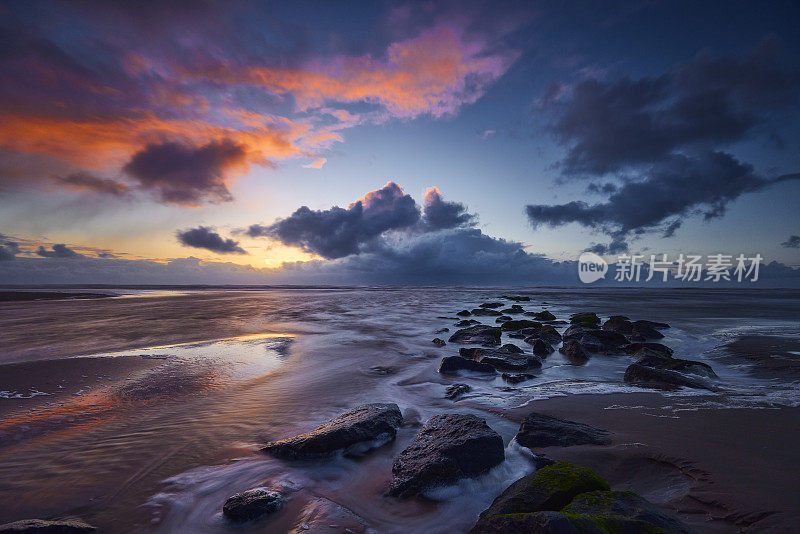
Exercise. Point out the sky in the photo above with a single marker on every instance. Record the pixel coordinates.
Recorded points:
(391, 142)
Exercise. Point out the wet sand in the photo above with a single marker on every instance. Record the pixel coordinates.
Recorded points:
(728, 470)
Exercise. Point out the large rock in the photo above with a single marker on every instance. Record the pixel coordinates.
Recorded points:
(574, 352)
(492, 305)
(549, 488)
(503, 318)
(464, 313)
(519, 324)
(538, 430)
(456, 390)
(467, 322)
(452, 364)
(624, 505)
(252, 504)
(354, 431)
(641, 329)
(544, 316)
(447, 448)
(541, 347)
(659, 360)
(513, 310)
(633, 348)
(657, 370)
(587, 319)
(550, 334)
(651, 324)
(478, 334)
(608, 340)
(507, 358)
(323, 516)
(486, 312)
(42, 526)
(618, 323)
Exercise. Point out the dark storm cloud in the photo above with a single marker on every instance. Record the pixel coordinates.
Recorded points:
(441, 214)
(59, 250)
(677, 186)
(83, 181)
(662, 138)
(338, 232)
(186, 175)
(792, 242)
(205, 237)
(8, 249)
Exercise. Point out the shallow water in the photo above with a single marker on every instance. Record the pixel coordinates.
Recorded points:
(215, 374)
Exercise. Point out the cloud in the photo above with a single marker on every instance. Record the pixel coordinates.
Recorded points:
(792, 242)
(338, 232)
(205, 237)
(8, 250)
(316, 164)
(83, 181)
(59, 250)
(440, 214)
(664, 139)
(187, 175)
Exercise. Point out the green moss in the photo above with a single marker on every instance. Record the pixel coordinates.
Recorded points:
(563, 476)
(613, 525)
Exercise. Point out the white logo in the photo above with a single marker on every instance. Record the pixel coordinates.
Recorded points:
(591, 267)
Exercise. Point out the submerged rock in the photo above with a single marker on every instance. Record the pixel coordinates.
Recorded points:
(506, 358)
(467, 322)
(633, 348)
(447, 448)
(519, 324)
(549, 488)
(442, 331)
(642, 330)
(478, 334)
(456, 390)
(486, 312)
(491, 305)
(464, 313)
(439, 342)
(43, 526)
(363, 427)
(651, 324)
(453, 364)
(618, 323)
(512, 311)
(516, 378)
(624, 505)
(544, 316)
(252, 504)
(538, 430)
(323, 516)
(503, 318)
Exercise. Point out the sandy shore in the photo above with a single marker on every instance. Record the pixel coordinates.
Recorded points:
(729, 470)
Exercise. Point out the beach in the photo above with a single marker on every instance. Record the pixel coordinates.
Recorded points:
(152, 408)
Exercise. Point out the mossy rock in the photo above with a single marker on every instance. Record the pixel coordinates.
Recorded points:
(545, 316)
(549, 488)
(625, 505)
(587, 319)
(561, 523)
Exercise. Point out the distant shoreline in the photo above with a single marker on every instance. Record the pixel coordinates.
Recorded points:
(18, 296)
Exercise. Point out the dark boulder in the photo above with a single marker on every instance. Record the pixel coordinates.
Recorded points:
(560, 523)
(541, 347)
(574, 351)
(491, 305)
(467, 322)
(550, 334)
(660, 372)
(538, 430)
(353, 432)
(618, 323)
(516, 335)
(439, 342)
(516, 378)
(660, 360)
(478, 334)
(644, 331)
(512, 311)
(486, 312)
(476, 353)
(503, 318)
(511, 361)
(651, 324)
(252, 504)
(447, 448)
(453, 364)
(549, 488)
(544, 316)
(587, 319)
(442, 331)
(42, 526)
(456, 390)
(519, 324)
(464, 313)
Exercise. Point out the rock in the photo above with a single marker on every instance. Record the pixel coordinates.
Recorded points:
(519, 324)
(512, 311)
(590, 343)
(667, 373)
(353, 432)
(587, 319)
(516, 335)
(660, 360)
(467, 322)
(618, 323)
(439, 342)
(544, 316)
(491, 305)
(549, 488)
(633, 348)
(506, 358)
(252, 504)
(478, 334)
(560, 523)
(448, 448)
(542, 348)
(530, 331)
(476, 353)
(456, 390)
(486, 312)
(442, 331)
(641, 330)
(538, 430)
(516, 378)
(452, 364)
(320, 515)
(595, 339)
(464, 313)
(503, 318)
(624, 505)
(42, 526)
(574, 351)
(550, 334)
(516, 298)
